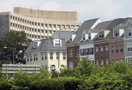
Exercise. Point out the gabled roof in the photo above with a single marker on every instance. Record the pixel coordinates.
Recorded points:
(85, 26)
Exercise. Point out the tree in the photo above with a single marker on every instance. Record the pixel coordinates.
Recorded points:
(16, 40)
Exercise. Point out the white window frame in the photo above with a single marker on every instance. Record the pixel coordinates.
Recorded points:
(129, 45)
(129, 31)
(70, 53)
(71, 65)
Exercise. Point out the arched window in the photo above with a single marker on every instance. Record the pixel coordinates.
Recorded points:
(71, 65)
(52, 67)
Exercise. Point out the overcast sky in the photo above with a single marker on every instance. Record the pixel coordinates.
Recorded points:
(87, 9)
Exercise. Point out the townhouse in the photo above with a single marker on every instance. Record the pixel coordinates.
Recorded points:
(50, 52)
(73, 49)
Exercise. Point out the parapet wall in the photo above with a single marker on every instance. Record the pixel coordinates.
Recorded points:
(64, 16)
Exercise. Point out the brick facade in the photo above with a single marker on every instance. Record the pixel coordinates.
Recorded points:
(73, 58)
(101, 55)
(117, 54)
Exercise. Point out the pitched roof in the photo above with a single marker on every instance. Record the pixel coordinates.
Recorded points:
(102, 25)
(85, 26)
(47, 44)
(113, 24)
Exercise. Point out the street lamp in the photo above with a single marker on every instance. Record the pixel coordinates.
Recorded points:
(13, 52)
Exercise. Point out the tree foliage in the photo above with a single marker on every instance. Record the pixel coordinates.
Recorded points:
(13, 40)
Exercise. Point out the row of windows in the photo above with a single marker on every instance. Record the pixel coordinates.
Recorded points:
(117, 48)
(87, 51)
(116, 33)
(44, 56)
(33, 29)
(44, 25)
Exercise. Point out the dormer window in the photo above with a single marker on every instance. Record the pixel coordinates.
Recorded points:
(101, 34)
(70, 37)
(36, 44)
(89, 36)
(83, 36)
(129, 32)
(57, 42)
(116, 33)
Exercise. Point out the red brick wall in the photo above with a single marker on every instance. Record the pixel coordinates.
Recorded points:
(119, 55)
(101, 56)
(72, 59)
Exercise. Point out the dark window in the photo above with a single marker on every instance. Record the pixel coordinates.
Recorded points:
(51, 55)
(112, 49)
(116, 48)
(121, 48)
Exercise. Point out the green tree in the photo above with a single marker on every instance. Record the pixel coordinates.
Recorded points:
(16, 40)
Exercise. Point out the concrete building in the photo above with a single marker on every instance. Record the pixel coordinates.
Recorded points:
(76, 39)
(13, 68)
(38, 24)
(50, 52)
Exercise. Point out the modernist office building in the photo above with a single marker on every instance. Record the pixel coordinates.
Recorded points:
(38, 24)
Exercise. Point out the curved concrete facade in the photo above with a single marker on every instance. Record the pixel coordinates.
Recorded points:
(37, 25)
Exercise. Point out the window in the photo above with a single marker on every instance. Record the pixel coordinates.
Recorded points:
(129, 60)
(121, 48)
(129, 32)
(45, 56)
(71, 65)
(34, 57)
(27, 58)
(67, 26)
(101, 34)
(70, 53)
(62, 26)
(70, 37)
(78, 52)
(117, 60)
(64, 55)
(107, 61)
(42, 56)
(101, 50)
(116, 48)
(45, 31)
(97, 50)
(57, 42)
(49, 25)
(97, 62)
(129, 47)
(89, 36)
(91, 51)
(102, 62)
(83, 36)
(57, 55)
(106, 48)
(30, 57)
(54, 26)
(52, 67)
(72, 27)
(51, 55)
(35, 44)
(87, 52)
(116, 33)
(112, 49)
(82, 52)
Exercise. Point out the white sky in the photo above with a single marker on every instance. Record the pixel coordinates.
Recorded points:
(87, 9)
